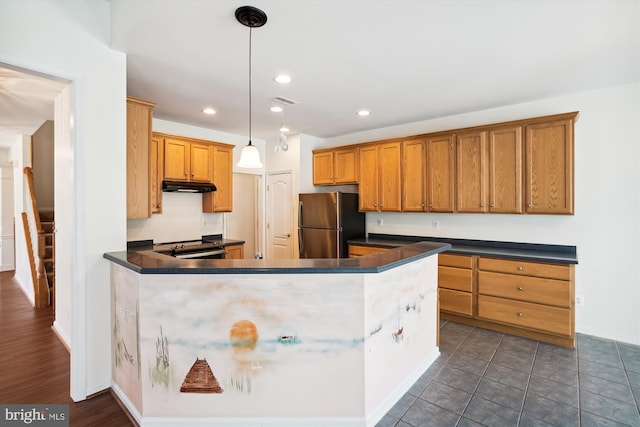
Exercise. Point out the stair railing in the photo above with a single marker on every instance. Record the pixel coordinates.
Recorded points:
(34, 236)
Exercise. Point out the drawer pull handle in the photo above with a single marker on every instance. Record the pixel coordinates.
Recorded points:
(520, 314)
(520, 268)
(520, 288)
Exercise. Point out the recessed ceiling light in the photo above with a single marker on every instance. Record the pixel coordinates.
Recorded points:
(276, 109)
(283, 79)
(363, 113)
(284, 129)
(209, 110)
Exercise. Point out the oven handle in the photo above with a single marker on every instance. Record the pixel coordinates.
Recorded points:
(200, 254)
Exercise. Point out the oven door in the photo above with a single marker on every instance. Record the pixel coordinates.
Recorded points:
(206, 254)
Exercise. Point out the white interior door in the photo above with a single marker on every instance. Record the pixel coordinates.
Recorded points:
(279, 215)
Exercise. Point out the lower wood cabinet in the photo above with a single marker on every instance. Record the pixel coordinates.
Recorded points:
(455, 283)
(360, 250)
(234, 252)
(530, 299)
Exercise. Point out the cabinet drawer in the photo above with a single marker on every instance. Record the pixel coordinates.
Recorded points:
(455, 301)
(532, 289)
(357, 250)
(551, 271)
(525, 314)
(462, 261)
(455, 278)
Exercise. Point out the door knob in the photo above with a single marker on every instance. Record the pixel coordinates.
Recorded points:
(287, 235)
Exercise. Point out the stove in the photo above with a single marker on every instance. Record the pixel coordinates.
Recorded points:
(198, 250)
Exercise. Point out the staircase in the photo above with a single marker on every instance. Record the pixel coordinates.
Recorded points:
(48, 225)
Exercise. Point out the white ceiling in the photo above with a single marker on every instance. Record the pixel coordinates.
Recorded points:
(406, 61)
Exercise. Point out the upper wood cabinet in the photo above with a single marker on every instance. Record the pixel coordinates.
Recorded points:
(489, 171)
(471, 172)
(505, 169)
(414, 175)
(220, 200)
(441, 173)
(139, 178)
(335, 167)
(156, 152)
(186, 160)
(549, 167)
(380, 177)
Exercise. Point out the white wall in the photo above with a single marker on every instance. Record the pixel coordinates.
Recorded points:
(43, 156)
(7, 256)
(70, 39)
(606, 225)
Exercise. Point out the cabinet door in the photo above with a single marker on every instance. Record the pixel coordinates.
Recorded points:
(368, 188)
(220, 200)
(345, 166)
(440, 173)
(138, 140)
(156, 153)
(549, 167)
(323, 168)
(505, 170)
(201, 162)
(176, 160)
(414, 186)
(471, 172)
(234, 252)
(390, 177)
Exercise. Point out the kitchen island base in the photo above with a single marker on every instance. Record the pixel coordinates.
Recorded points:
(330, 349)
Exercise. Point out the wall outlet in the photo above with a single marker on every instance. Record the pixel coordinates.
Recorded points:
(380, 222)
(435, 225)
(579, 300)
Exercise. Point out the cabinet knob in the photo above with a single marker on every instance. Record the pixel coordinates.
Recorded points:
(520, 288)
(375, 205)
(381, 205)
(423, 205)
(520, 314)
(529, 205)
(520, 268)
(492, 206)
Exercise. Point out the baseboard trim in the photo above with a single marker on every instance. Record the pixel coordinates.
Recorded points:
(60, 337)
(376, 415)
(401, 389)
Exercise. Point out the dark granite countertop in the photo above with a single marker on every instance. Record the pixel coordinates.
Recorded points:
(147, 261)
(508, 250)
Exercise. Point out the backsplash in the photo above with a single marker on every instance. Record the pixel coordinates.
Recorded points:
(181, 219)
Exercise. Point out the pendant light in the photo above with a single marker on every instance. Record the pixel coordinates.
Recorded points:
(251, 17)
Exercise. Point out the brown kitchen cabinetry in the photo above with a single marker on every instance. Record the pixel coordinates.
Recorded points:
(380, 177)
(456, 283)
(361, 250)
(220, 200)
(528, 295)
(489, 171)
(156, 152)
(234, 252)
(139, 171)
(187, 160)
(441, 173)
(549, 166)
(414, 176)
(335, 167)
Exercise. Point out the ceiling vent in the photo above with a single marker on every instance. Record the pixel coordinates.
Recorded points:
(284, 100)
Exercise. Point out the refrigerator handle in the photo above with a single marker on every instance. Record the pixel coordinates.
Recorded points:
(300, 241)
(300, 225)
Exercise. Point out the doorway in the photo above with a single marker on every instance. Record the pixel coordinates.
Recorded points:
(244, 222)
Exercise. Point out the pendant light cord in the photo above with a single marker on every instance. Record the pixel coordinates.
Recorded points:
(249, 85)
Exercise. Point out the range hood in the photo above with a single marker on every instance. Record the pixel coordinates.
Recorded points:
(187, 187)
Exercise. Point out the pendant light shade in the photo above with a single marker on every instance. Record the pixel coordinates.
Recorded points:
(250, 157)
(251, 17)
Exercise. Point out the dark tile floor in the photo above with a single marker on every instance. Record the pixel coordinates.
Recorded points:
(486, 378)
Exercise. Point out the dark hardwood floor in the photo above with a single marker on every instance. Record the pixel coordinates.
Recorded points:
(34, 364)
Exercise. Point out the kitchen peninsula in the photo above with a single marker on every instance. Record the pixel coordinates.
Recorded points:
(271, 342)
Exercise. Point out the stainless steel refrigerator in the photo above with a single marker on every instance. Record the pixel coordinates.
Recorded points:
(326, 222)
